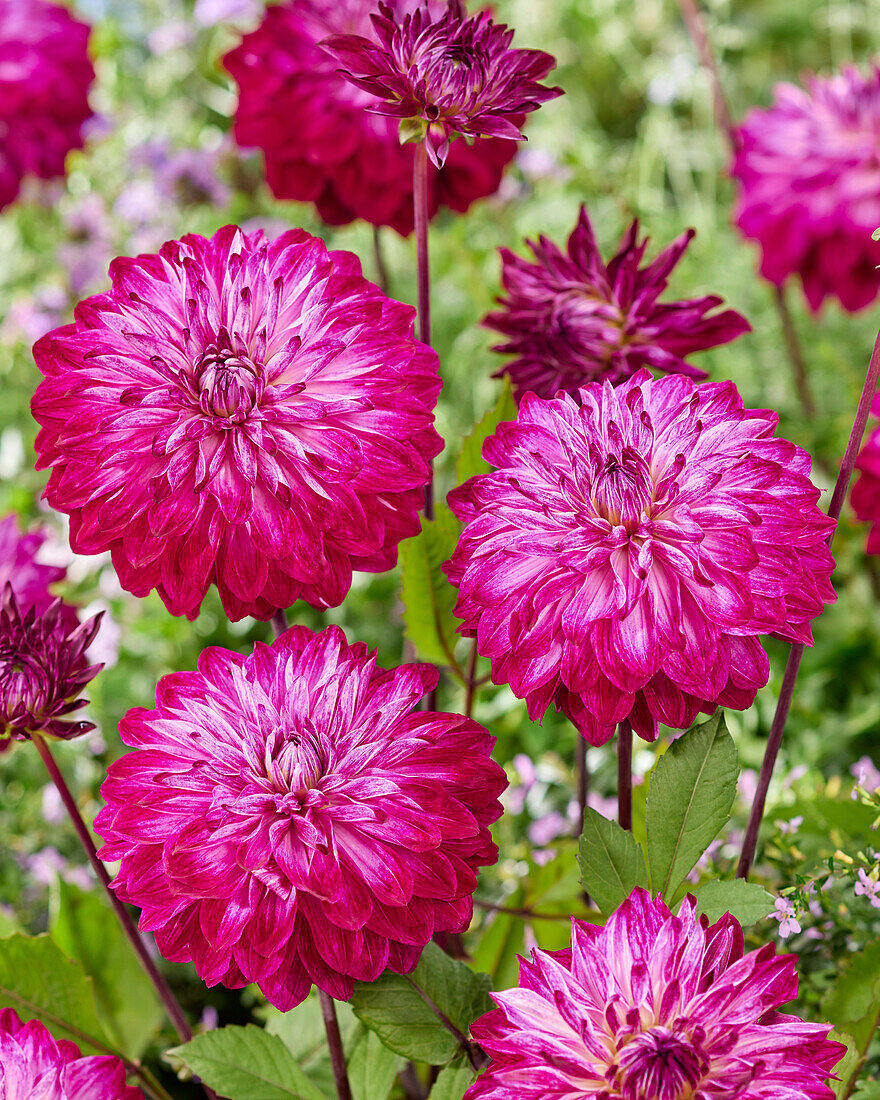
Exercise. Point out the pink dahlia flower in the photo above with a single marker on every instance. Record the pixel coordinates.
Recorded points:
(809, 178)
(444, 74)
(571, 319)
(290, 818)
(19, 567)
(45, 73)
(43, 669)
(653, 1007)
(320, 143)
(242, 412)
(632, 546)
(36, 1066)
(865, 497)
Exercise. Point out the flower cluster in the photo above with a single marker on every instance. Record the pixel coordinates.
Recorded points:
(445, 75)
(653, 1007)
(571, 319)
(243, 412)
(320, 143)
(632, 546)
(809, 179)
(289, 818)
(45, 74)
(36, 1066)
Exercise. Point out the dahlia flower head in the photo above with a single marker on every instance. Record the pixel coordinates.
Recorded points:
(809, 186)
(570, 319)
(36, 1066)
(43, 668)
(631, 547)
(865, 496)
(45, 73)
(19, 567)
(444, 75)
(243, 412)
(653, 1007)
(319, 141)
(290, 818)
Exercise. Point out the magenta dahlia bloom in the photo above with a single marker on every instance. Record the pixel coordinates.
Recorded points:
(632, 546)
(865, 496)
(291, 818)
(320, 143)
(19, 567)
(653, 1007)
(36, 1066)
(242, 412)
(445, 74)
(45, 73)
(809, 179)
(571, 319)
(43, 669)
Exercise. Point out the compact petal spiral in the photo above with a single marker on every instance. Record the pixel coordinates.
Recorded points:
(289, 818)
(241, 412)
(319, 141)
(445, 74)
(653, 1007)
(632, 546)
(570, 319)
(808, 169)
(45, 74)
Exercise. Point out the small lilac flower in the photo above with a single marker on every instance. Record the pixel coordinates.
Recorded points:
(211, 12)
(866, 774)
(447, 75)
(868, 886)
(547, 828)
(789, 827)
(785, 914)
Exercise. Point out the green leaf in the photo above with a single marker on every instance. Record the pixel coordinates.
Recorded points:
(692, 791)
(246, 1063)
(453, 1081)
(747, 901)
(853, 1002)
(470, 461)
(41, 983)
(611, 862)
(86, 928)
(848, 1065)
(498, 947)
(303, 1033)
(428, 597)
(396, 1006)
(372, 1067)
(8, 922)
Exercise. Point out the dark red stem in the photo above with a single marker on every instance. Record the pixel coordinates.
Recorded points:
(693, 19)
(624, 775)
(334, 1042)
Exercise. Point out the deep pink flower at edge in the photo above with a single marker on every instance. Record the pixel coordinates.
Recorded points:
(571, 319)
(30, 579)
(242, 412)
(445, 74)
(320, 143)
(632, 546)
(289, 818)
(45, 74)
(43, 669)
(653, 1007)
(865, 496)
(34, 1064)
(809, 186)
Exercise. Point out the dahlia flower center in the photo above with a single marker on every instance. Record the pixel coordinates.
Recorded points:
(659, 1065)
(228, 381)
(24, 684)
(623, 487)
(295, 762)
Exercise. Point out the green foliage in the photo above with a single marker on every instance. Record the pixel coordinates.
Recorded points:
(303, 1033)
(692, 791)
(428, 597)
(40, 982)
(86, 928)
(470, 461)
(853, 1003)
(453, 1081)
(747, 901)
(612, 863)
(847, 1066)
(372, 1067)
(403, 1008)
(246, 1063)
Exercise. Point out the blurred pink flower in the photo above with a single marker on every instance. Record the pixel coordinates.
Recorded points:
(571, 319)
(631, 548)
(868, 887)
(653, 1007)
(788, 923)
(242, 412)
(809, 186)
(309, 824)
(45, 74)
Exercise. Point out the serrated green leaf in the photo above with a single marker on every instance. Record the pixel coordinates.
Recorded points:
(470, 461)
(247, 1063)
(853, 1002)
(428, 597)
(41, 983)
(611, 862)
(372, 1067)
(746, 901)
(395, 1007)
(454, 1080)
(86, 928)
(692, 792)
